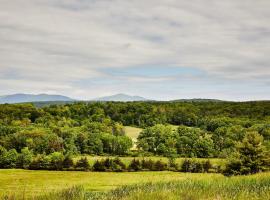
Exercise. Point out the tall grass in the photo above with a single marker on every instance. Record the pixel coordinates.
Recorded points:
(238, 188)
(254, 187)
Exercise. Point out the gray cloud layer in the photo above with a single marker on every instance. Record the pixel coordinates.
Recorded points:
(64, 46)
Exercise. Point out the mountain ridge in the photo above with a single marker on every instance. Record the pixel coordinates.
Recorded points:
(23, 98)
(121, 97)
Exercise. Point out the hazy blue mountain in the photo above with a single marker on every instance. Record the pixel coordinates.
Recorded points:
(121, 97)
(20, 98)
(197, 100)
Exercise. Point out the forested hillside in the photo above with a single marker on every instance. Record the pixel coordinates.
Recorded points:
(186, 129)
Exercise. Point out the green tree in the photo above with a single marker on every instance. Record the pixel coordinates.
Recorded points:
(250, 157)
(25, 158)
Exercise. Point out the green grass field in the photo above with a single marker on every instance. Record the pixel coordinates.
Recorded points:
(25, 184)
(133, 133)
(32, 183)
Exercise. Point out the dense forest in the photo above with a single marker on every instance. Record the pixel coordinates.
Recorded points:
(186, 129)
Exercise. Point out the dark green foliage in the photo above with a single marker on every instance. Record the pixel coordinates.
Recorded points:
(120, 166)
(135, 165)
(160, 166)
(41, 161)
(196, 166)
(25, 158)
(57, 159)
(205, 129)
(207, 166)
(148, 165)
(68, 162)
(83, 164)
(8, 159)
(250, 156)
(108, 164)
(99, 166)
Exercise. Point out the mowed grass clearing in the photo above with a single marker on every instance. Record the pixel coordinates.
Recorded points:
(133, 133)
(32, 183)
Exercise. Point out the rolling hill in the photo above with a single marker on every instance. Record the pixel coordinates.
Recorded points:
(21, 98)
(121, 97)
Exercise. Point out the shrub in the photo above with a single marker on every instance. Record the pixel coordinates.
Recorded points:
(148, 164)
(186, 165)
(57, 159)
(41, 161)
(8, 159)
(99, 166)
(68, 162)
(118, 165)
(135, 165)
(83, 164)
(25, 158)
(194, 166)
(207, 166)
(160, 166)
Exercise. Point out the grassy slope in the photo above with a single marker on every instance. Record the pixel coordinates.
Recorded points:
(133, 133)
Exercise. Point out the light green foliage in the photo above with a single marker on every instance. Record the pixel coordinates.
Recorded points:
(25, 158)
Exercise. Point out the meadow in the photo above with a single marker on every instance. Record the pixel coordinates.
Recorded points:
(41, 185)
(35, 183)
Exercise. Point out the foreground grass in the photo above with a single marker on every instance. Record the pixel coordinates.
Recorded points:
(52, 185)
(15, 182)
(256, 187)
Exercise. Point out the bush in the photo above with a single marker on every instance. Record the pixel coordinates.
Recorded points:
(25, 158)
(186, 165)
(57, 159)
(118, 165)
(148, 165)
(41, 161)
(68, 162)
(135, 165)
(99, 166)
(108, 164)
(207, 166)
(160, 166)
(194, 166)
(8, 159)
(83, 164)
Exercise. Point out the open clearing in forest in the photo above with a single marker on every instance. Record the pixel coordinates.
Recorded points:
(133, 133)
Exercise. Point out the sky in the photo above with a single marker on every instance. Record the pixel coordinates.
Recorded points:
(158, 49)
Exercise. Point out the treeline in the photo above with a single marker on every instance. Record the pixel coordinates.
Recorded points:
(187, 141)
(57, 161)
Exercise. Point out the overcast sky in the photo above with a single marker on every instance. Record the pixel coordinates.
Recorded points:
(159, 49)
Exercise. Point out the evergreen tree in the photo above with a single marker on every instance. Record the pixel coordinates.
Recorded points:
(250, 157)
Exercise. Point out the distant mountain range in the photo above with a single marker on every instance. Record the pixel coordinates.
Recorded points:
(21, 98)
(197, 100)
(121, 97)
(48, 99)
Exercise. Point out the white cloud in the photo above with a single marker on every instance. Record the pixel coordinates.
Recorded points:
(48, 42)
